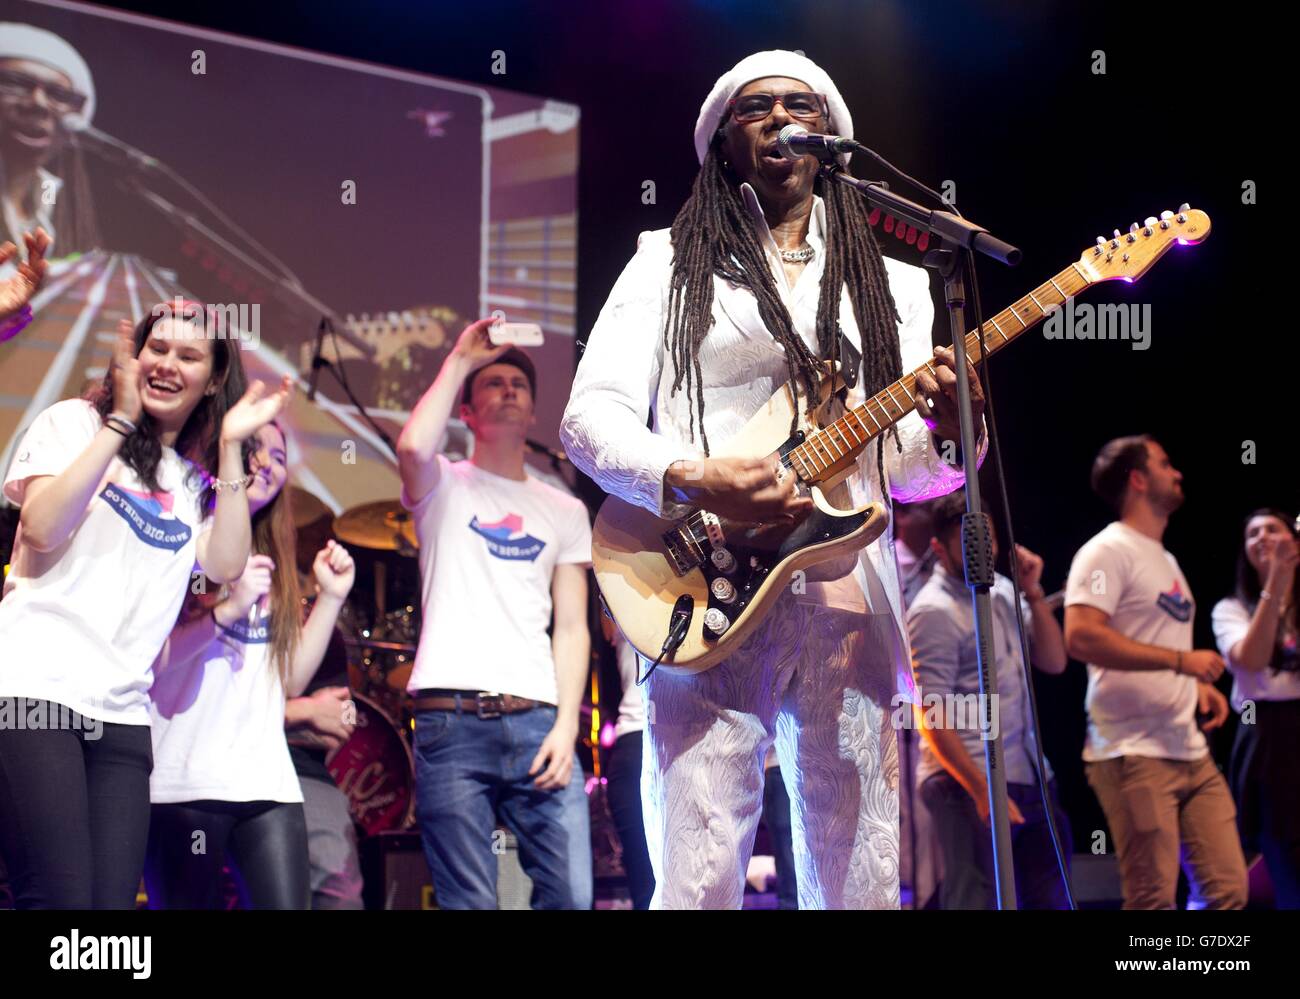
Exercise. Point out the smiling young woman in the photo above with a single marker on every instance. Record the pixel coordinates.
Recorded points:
(1256, 629)
(121, 495)
(221, 759)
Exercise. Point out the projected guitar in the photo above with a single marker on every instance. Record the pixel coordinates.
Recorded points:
(709, 583)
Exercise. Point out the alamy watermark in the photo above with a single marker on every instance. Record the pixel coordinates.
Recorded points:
(949, 710)
(240, 321)
(30, 714)
(1115, 321)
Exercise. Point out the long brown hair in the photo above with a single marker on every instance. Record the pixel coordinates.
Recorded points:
(198, 441)
(274, 535)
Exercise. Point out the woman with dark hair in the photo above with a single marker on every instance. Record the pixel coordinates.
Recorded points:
(121, 495)
(221, 763)
(1256, 630)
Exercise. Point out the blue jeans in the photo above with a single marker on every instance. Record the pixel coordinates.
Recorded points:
(968, 874)
(577, 823)
(470, 771)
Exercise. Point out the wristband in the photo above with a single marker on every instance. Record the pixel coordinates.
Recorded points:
(124, 420)
(116, 429)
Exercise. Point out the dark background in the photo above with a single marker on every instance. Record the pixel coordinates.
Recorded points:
(1000, 98)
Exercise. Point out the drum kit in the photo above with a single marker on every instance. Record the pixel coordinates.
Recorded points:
(380, 626)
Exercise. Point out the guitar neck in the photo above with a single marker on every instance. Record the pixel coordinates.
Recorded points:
(831, 447)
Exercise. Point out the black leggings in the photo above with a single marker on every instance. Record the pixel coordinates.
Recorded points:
(74, 807)
(266, 840)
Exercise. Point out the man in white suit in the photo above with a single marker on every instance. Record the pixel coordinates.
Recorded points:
(757, 282)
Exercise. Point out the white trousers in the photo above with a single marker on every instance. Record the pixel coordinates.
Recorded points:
(819, 682)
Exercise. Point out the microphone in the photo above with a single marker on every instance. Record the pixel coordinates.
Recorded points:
(105, 145)
(795, 141)
(317, 362)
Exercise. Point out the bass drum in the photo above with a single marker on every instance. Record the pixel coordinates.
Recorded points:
(375, 770)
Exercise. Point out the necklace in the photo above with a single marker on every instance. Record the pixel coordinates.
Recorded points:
(798, 256)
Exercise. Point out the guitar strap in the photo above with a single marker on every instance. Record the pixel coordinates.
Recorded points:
(850, 359)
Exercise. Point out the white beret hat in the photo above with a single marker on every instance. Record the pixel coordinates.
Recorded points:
(775, 62)
(25, 41)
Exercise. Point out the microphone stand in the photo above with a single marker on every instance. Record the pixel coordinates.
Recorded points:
(955, 234)
(318, 361)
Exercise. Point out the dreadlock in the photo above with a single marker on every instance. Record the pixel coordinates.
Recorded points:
(714, 234)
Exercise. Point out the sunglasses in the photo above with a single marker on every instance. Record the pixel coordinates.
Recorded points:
(756, 107)
(61, 99)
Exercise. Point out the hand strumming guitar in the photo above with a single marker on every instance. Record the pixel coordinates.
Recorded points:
(741, 490)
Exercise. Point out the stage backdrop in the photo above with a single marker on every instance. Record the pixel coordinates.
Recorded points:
(288, 186)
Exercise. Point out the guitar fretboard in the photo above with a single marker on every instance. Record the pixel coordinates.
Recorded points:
(842, 440)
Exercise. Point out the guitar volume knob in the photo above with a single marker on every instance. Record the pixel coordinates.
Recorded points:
(716, 621)
(723, 590)
(723, 560)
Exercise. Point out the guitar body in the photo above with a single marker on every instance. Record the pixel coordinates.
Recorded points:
(652, 572)
(639, 575)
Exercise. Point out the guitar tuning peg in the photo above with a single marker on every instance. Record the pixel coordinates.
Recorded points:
(1166, 216)
(1133, 227)
(1184, 207)
(1149, 221)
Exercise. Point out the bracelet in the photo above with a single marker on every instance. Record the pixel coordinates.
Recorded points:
(1178, 661)
(234, 485)
(120, 424)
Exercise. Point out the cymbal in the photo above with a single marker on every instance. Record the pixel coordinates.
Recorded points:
(307, 508)
(384, 525)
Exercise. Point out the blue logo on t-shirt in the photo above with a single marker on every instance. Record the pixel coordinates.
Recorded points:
(149, 516)
(257, 633)
(506, 539)
(1175, 604)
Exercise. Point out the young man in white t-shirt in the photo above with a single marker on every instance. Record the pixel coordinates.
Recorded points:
(1128, 615)
(496, 700)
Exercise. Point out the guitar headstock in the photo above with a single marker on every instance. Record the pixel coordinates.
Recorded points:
(1127, 256)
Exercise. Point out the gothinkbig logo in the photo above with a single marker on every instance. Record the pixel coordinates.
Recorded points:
(1173, 603)
(149, 515)
(256, 632)
(506, 539)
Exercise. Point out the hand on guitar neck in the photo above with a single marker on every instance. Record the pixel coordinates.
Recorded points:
(936, 396)
(744, 491)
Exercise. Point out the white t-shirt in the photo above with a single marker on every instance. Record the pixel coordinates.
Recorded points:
(1148, 713)
(1231, 621)
(218, 723)
(488, 550)
(631, 706)
(81, 625)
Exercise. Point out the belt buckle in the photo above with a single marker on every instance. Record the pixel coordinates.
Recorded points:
(481, 699)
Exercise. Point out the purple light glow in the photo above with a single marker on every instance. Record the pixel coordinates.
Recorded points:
(607, 735)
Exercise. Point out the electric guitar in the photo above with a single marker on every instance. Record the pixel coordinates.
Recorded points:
(692, 589)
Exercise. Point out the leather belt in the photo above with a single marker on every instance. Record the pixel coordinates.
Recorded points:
(484, 704)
